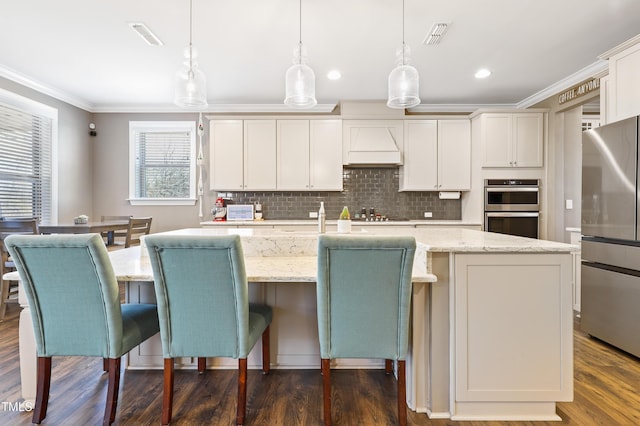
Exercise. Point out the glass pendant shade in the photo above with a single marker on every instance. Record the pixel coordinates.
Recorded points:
(300, 87)
(403, 87)
(190, 88)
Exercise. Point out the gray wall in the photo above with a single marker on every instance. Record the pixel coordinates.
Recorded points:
(75, 153)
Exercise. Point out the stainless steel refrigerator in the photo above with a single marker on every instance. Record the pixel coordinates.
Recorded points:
(610, 304)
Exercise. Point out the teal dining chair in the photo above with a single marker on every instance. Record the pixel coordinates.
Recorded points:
(75, 308)
(363, 297)
(203, 305)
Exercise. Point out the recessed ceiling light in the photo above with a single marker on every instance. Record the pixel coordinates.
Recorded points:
(482, 73)
(334, 75)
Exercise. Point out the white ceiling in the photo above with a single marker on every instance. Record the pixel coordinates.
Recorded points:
(84, 52)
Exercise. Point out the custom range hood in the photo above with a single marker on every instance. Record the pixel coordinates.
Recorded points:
(372, 142)
(372, 134)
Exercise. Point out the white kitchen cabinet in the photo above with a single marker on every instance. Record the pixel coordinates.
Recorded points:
(512, 139)
(226, 158)
(242, 155)
(437, 155)
(623, 91)
(259, 155)
(513, 330)
(293, 155)
(325, 155)
(309, 155)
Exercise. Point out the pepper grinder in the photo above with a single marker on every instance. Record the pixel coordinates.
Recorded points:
(322, 227)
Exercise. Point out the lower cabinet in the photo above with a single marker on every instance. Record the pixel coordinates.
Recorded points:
(513, 328)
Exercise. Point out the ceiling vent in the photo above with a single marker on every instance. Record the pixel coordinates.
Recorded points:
(436, 33)
(143, 31)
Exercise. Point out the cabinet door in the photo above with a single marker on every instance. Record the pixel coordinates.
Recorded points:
(226, 155)
(513, 327)
(325, 158)
(527, 140)
(454, 155)
(420, 169)
(497, 140)
(260, 155)
(293, 154)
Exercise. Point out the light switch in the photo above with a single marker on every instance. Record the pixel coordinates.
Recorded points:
(569, 204)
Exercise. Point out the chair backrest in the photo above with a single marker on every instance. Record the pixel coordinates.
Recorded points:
(72, 292)
(9, 226)
(363, 295)
(137, 226)
(202, 295)
(112, 218)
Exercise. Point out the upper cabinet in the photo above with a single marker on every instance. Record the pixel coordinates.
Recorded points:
(242, 155)
(621, 93)
(372, 141)
(226, 155)
(512, 139)
(437, 155)
(309, 155)
(272, 155)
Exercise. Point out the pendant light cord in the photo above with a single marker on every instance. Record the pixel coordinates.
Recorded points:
(191, 36)
(300, 33)
(403, 32)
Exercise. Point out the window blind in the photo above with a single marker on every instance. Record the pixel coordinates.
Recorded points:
(25, 164)
(163, 165)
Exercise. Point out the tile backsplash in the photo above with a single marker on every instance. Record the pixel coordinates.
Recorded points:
(362, 187)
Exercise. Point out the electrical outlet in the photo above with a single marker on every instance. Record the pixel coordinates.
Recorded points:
(569, 204)
(313, 215)
(428, 214)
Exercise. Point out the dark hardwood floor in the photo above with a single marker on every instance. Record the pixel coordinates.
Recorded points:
(607, 392)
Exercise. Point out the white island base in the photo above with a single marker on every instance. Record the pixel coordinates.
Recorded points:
(492, 339)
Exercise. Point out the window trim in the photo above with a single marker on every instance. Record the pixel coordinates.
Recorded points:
(23, 103)
(135, 126)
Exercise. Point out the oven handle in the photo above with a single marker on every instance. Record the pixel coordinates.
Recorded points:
(512, 214)
(512, 189)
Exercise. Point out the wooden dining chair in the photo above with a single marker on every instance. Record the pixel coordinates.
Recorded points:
(363, 296)
(116, 234)
(9, 289)
(203, 305)
(137, 226)
(75, 309)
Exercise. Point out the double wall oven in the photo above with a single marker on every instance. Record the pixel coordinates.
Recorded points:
(512, 206)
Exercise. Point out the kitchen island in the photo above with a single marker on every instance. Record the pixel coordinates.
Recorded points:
(491, 336)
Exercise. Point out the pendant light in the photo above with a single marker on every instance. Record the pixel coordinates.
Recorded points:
(191, 83)
(300, 81)
(403, 79)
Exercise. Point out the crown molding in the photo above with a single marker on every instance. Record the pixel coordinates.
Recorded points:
(40, 87)
(454, 108)
(620, 48)
(587, 72)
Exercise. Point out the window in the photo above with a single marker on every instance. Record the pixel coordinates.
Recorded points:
(27, 158)
(162, 162)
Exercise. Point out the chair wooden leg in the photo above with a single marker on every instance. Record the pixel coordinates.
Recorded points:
(4, 295)
(112, 392)
(402, 394)
(202, 365)
(242, 390)
(388, 366)
(266, 355)
(42, 389)
(167, 398)
(105, 365)
(326, 390)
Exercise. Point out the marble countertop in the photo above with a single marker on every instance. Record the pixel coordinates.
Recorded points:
(434, 239)
(314, 222)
